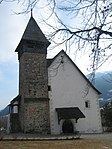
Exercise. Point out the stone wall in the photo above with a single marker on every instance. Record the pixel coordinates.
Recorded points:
(14, 118)
(37, 117)
(33, 76)
(33, 88)
(21, 114)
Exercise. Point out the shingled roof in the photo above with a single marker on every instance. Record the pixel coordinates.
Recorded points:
(69, 113)
(33, 33)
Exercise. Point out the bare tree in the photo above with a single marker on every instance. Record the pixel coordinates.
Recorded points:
(82, 24)
(93, 32)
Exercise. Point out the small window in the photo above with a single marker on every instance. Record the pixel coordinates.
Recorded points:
(34, 92)
(87, 104)
(49, 88)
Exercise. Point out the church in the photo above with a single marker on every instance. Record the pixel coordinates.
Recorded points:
(54, 95)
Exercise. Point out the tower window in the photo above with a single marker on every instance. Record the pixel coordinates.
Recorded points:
(49, 88)
(87, 104)
(34, 92)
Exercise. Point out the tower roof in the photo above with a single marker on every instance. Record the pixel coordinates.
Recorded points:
(33, 33)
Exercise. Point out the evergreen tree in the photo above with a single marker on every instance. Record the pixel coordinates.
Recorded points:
(106, 113)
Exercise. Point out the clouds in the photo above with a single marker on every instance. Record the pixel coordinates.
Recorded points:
(10, 31)
(8, 83)
(8, 28)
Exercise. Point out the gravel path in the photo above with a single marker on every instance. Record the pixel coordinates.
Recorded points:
(104, 136)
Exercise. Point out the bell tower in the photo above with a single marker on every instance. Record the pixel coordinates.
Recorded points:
(33, 80)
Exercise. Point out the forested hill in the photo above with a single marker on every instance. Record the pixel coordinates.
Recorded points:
(5, 111)
(103, 82)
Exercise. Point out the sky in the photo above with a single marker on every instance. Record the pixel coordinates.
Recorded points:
(12, 27)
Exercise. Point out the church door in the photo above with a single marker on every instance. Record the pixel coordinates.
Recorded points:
(67, 126)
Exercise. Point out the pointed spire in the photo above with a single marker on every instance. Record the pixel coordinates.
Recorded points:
(33, 33)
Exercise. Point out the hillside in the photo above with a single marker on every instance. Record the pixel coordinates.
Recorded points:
(103, 82)
(5, 111)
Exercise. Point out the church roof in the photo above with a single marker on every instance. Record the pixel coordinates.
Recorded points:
(17, 98)
(69, 113)
(49, 61)
(33, 33)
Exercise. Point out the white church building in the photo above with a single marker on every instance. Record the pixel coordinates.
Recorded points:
(72, 95)
(71, 102)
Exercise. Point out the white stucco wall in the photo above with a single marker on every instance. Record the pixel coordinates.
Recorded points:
(69, 89)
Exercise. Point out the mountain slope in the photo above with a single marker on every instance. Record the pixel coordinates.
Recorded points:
(5, 111)
(103, 82)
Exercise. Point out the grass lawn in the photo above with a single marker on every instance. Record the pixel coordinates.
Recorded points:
(62, 144)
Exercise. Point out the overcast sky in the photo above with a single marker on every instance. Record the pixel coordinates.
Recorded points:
(12, 27)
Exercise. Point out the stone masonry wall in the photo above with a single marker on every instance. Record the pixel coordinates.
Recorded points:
(33, 76)
(14, 118)
(21, 114)
(33, 88)
(37, 117)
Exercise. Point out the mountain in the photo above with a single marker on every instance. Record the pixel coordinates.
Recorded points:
(103, 82)
(5, 111)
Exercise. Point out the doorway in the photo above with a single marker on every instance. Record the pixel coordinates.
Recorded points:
(67, 126)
